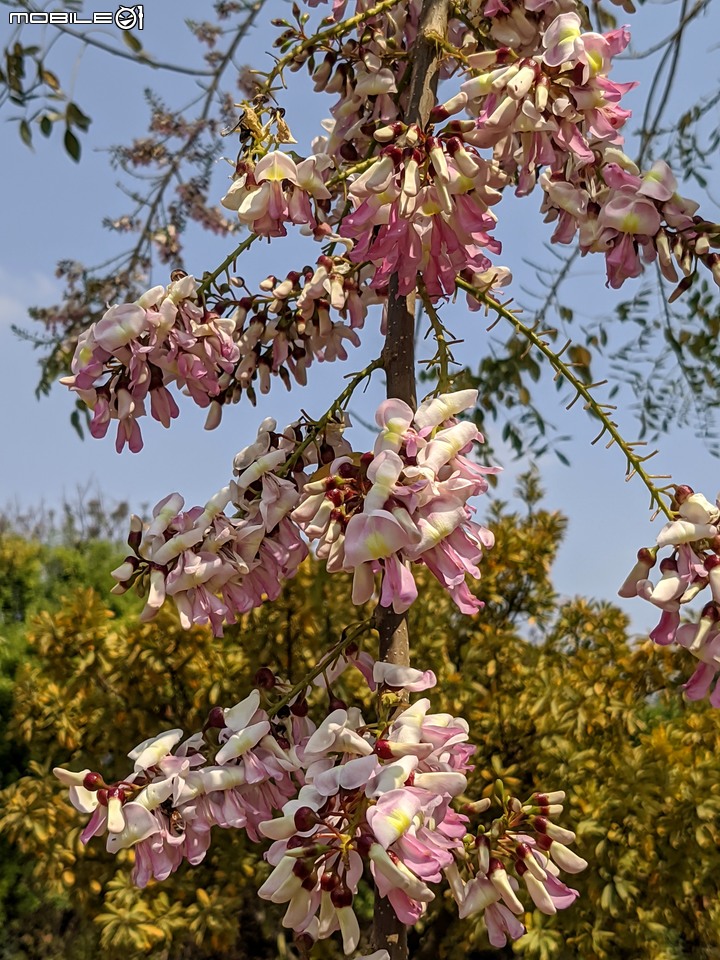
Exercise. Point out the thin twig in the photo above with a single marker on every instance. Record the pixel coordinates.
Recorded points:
(599, 410)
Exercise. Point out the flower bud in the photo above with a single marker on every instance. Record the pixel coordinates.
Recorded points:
(216, 718)
(93, 781)
(265, 678)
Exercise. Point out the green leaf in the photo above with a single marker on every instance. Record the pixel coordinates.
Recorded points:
(76, 118)
(45, 125)
(72, 145)
(25, 133)
(76, 425)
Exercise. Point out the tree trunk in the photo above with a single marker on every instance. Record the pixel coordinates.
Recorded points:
(399, 362)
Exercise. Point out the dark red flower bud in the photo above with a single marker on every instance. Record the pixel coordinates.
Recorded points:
(93, 781)
(363, 844)
(299, 708)
(341, 896)
(328, 882)
(327, 454)
(347, 470)
(216, 718)
(348, 152)
(301, 869)
(265, 678)
(310, 882)
(682, 492)
(305, 819)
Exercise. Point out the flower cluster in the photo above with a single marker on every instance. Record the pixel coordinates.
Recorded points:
(290, 322)
(405, 502)
(138, 349)
(550, 109)
(520, 24)
(544, 104)
(334, 798)
(276, 191)
(378, 800)
(422, 208)
(166, 807)
(524, 846)
(692, 566)
(214, 566)
(631, 218)
(367, 77)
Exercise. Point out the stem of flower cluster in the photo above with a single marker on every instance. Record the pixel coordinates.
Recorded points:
(349, 635)
(634, 461)
(338, 404)
(399, 361)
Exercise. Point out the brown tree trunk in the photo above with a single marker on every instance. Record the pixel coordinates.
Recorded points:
(399, 362)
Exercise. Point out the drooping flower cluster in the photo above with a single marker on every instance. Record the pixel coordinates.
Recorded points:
(406, 502)
(631, 218)
(138, 349)
(406, 200)
(524, 842)
(422, 208)
(550, 109)
(215, 566)
(692, 566)
(276, 191)
(334, 798)
(543, 103)
(290, 322)
(166, 807)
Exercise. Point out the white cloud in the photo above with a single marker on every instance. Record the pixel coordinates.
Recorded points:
(18, 293)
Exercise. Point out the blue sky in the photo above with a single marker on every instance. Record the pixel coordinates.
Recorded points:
(52, 208)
